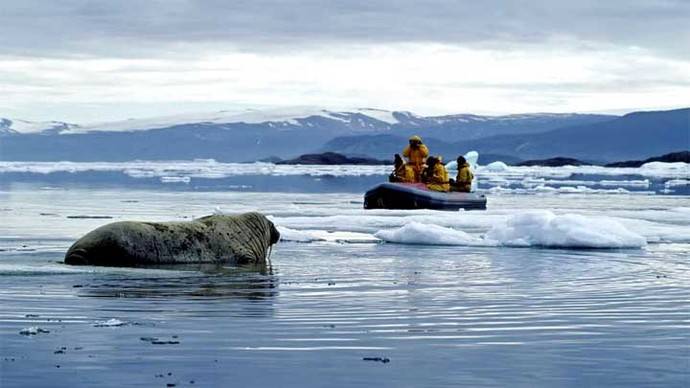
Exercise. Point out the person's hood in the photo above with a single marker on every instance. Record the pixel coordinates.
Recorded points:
(415, 138)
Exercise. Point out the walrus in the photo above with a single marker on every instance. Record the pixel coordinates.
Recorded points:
(221, 239)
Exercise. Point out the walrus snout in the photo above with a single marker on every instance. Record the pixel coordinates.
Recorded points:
(275, 234)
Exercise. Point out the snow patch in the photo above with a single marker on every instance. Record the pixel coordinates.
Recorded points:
(379, 114)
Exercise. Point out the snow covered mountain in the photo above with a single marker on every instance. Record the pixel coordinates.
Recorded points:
(14, 126)
(364, 119)
(636, 135)
(359, 119)
(252, 134)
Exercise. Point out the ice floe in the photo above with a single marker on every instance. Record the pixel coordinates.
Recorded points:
(429, 234)
(677, 183)
(287, 234)
(532, 229)
(497, 177)
(546, 229)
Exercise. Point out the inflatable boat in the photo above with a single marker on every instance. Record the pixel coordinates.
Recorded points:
(417, 196)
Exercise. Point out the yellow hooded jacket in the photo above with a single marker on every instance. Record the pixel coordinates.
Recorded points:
(416, 158)
(464, 179)
(405, 173)
(438, 181)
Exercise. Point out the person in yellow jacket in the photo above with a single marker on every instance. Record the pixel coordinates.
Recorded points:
(402, 172)
(436, 176)
(416, 154)
(463, 183)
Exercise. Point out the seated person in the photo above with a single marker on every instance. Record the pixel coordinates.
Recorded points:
(463, 183)
(416, 154)
(402, 172)
(435, 176)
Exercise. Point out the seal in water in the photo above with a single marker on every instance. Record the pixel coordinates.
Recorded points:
(242, 239)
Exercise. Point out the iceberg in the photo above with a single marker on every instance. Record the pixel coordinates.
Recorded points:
(497, 166)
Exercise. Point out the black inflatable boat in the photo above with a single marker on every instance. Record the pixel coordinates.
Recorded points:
(417, 196)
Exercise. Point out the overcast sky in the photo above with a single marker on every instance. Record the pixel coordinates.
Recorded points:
(80, 60)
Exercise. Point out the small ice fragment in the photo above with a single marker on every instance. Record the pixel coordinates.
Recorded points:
(113, 322)
(33, 330)
(29, 331)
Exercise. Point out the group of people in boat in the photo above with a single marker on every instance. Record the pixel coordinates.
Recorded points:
(419, 167)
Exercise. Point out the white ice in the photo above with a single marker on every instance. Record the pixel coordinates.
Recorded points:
(509, 175)
(531, 229)
(113, 322)
(428, 234)
(287, 234)
(546, 229)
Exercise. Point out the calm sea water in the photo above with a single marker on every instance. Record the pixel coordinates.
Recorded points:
(342, 309)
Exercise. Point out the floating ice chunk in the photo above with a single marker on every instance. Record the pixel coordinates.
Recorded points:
(532, 229)
(33, 330)
(287, 234)
(543, 189)
(175, 179)
(113, 322)
(677, 183)
(545, 229)
(428, 234)
(497, 166)
(644, 183)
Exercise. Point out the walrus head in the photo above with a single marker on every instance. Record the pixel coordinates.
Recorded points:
(275, 234)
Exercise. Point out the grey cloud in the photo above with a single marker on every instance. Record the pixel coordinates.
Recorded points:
(136, 28)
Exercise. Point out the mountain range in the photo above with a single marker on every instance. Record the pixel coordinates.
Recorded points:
(285, 133)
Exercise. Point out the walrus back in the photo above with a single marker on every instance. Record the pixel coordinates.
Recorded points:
(241, 239)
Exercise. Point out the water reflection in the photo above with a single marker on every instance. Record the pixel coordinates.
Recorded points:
(206, 281)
